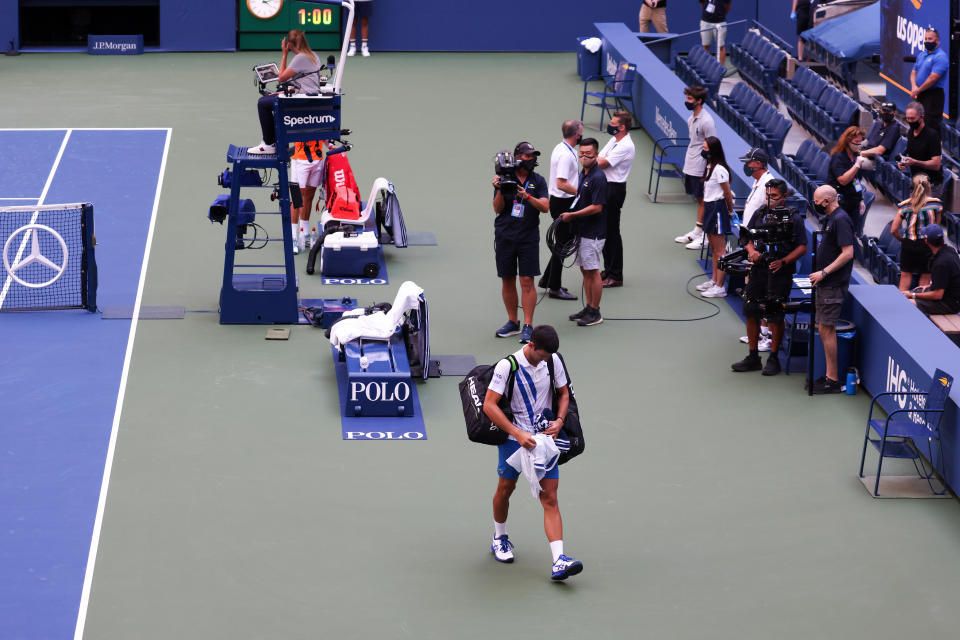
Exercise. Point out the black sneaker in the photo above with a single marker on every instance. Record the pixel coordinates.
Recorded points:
(542, 282)
(826, 386)
(579, 314)
(751, 363)
(590, 318)
(561, 294)
(772, 367)
(806, 384)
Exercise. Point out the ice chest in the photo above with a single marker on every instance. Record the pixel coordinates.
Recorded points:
(353, 256)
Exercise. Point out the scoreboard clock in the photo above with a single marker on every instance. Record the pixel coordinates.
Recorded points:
(264, 23)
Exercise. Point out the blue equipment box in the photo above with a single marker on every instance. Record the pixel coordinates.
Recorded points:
(354, 256)
(383, 387)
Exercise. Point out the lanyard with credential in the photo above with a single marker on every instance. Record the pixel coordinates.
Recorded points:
(572, 152)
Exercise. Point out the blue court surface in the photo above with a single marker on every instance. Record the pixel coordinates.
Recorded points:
(63, 371)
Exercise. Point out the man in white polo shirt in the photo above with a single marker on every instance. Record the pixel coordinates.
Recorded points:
(615, 160)
(701, 126)
(562, 187)
(755, 166)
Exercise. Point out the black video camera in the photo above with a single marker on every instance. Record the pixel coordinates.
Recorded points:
(774, 231)
(505, 165)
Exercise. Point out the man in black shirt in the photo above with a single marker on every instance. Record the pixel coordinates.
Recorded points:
(942, 295)
(923, 149)
(516, 235)
(589, 219)
(771, 276)
(832, 278)
(881, 141)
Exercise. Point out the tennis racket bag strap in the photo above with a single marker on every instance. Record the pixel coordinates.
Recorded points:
(473, 389)
(572, 431)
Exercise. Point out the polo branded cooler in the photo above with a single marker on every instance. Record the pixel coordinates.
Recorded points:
(350, 256)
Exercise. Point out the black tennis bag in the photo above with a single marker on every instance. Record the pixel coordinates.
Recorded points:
(473, 389)
(570, 439)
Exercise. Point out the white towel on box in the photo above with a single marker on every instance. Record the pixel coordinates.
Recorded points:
(379, 325)
(591, 44)
(534, 463)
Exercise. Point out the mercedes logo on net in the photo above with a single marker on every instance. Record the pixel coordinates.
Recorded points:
(31, 233)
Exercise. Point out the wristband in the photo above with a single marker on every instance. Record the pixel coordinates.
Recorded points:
(564, 420)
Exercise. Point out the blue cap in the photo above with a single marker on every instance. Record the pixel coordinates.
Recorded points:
(932, 232)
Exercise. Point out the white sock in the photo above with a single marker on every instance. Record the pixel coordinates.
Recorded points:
(363, 42)
(499, 529)
(556, 548)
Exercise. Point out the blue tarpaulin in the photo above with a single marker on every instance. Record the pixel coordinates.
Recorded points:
(850, 37)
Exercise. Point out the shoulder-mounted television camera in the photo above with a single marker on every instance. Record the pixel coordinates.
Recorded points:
(775, 228)
(505, 165)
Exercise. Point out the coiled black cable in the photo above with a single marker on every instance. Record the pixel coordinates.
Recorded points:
(563, 249)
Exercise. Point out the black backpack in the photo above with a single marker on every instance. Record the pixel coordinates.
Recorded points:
(473, 389)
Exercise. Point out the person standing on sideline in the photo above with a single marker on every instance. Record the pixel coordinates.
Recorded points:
(717, 210)
(800, 13)
(928, 79)
(364, 9)
(562, 187)
(516, 240)
(530, 397)
(701, 126)
(591, 225)
(713, 26)
(615, 160)
(654, 11)
(832, 279)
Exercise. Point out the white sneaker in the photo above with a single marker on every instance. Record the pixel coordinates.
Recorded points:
(715, 291)
(502, 549)
(764, 344)
(352, 51)
(703, 286)
(698, 243)
(689, 236)
(296, 248)
(364, 51)
(263, 149)
(764, 335)
(745, 339)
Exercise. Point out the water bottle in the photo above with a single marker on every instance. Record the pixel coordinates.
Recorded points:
(851, 386)
(313, 236)
(307, 241)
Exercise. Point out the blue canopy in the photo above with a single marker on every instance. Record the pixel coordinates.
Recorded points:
(850, 37)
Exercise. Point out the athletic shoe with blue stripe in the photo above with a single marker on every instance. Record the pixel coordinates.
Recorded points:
(502, 549)
(564, 567)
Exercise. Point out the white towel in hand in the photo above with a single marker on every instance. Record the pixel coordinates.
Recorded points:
(534, 463)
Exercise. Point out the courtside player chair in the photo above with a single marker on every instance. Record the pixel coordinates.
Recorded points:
(905, 430)
(616, 88)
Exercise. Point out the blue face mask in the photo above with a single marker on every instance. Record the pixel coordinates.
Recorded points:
(612, 130)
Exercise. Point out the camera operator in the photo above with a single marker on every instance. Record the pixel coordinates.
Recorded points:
(306, 67)
(777, 240)
(519, 197)
(832, 278)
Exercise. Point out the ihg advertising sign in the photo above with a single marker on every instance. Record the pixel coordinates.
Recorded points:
(902, 25)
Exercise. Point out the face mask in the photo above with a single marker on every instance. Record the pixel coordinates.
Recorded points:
(820, 208)
(913, 125)
(612, 130)
(577, 143)
(856, 146)
(690, 105)
(930, 46)
(704, 154)
(528, 164)
(887, 117)
(747, 170)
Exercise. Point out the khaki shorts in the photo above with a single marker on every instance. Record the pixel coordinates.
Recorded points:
(590, 253)
(709, 30)
(829, 303)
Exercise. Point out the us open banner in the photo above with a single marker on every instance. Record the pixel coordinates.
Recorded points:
(902, 25)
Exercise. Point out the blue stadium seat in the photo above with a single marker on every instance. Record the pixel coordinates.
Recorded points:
(951, 139)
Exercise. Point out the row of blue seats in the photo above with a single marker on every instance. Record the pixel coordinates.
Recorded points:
(882, 254)
(759, 62)
(806, 169)
(756, 121)
(950, 137)
(700, 68)
(818, 106)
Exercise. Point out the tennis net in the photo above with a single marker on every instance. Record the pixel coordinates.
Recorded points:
(48, 258)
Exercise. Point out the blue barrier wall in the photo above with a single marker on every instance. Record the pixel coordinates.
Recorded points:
(185, 25)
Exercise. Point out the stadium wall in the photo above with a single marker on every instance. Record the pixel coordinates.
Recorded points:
(401, 25)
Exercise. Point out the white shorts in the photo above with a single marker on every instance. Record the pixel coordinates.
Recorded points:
(709, 29)
(305, 173)
(590, 253)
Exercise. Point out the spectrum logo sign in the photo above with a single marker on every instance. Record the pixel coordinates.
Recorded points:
(301, 121)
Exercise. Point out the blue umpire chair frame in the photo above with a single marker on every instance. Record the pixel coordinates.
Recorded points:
(908, 430)
(668, 163)
(616, 88)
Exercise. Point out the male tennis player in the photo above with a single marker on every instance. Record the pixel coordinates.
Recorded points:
(530, 397)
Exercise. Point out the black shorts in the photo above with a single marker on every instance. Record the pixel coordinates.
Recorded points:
(693, 185)
(764, 285)
(938, 307)
(803, 19)
(915, 256)
(515, 258)
(363, 9)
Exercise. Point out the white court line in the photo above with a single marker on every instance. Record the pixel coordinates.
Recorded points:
(111, 449)
(33, 199)
(36, 214)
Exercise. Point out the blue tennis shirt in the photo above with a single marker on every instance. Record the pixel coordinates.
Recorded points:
(936, 62)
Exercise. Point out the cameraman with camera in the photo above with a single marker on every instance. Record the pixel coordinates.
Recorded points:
(776, 239)
(519, 197)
